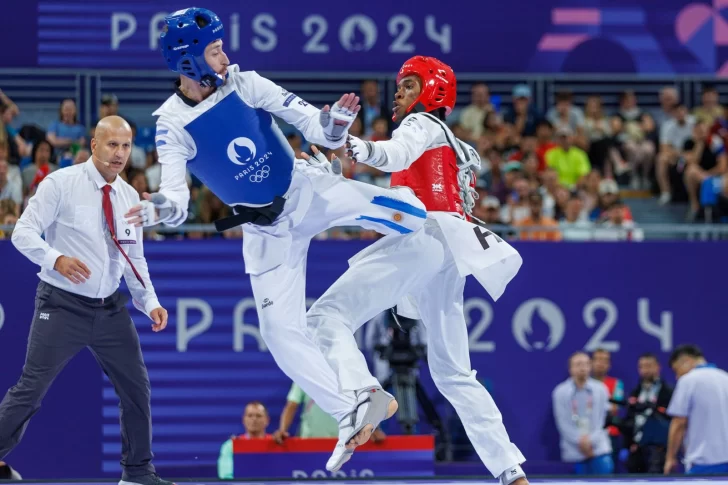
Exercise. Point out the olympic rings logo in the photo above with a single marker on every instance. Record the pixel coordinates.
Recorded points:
(260, 175)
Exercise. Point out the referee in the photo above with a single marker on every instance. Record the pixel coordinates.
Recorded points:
(87, 248)
(699, 410)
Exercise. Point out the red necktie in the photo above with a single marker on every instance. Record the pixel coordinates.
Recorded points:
(109, 213)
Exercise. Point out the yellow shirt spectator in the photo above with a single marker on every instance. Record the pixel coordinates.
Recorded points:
(571, 164)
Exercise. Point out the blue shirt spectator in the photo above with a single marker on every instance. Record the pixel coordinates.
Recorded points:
(67, 131)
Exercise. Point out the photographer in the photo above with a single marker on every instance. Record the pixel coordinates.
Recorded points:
(646, 424)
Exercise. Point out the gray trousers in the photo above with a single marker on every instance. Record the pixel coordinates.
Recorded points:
(63, 324)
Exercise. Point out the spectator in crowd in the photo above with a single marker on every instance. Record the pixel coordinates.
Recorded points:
(42, 163)
(109, 106)
(645, 150)
(82, 156)
(9, 189)
(575, 226)
(488, 210)
(472, 117)
(565, 115)
(673, 135)
(601, 364)
(544, 142)
(517, 207)
(646, 423)
(372, 106)
(523, 115)
(597, 131)
(629, 111)
(138, 158)
(569, 161)
(380, 129)
(669, 100)
(710, 108)
(608, 196)
(138, 180)
(66, 134)
(17, 146)
(705, 157)
(255, 423)
(590, 191)
(580, 406)
(315, 423)
(9, 213)
(537, 219)
(699, 410)
(618, 227)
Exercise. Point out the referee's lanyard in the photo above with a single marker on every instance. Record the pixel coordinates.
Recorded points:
(582, 422)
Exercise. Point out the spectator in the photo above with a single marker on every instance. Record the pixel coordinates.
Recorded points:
(109, 106)
(17, 146)
(380, 128)
(9, 189)
(597, 131)
(646, 424)
(580, 406)
(138, 157)
(673, 135)
(710, 108)
(138, 180)
(575, 226)
(628, 109)
(565, 114)
(517, 207)
(608, 196)
(371, 105)
(315, 422)
(590, 190)
(67, 134)
(82, 156)
(601, 364)
(699, 410)
(255, 423)
(645, 154)
(669, 100)
(705, 157)
(42, 163)
(472, 117)
(488, 211)
(544, 142)
(523, 116)
(537, 219)
(617, 227)
(569, 161)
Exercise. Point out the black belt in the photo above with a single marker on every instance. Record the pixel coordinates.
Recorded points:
(260, 216)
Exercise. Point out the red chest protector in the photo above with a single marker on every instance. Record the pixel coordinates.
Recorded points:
(434, 179)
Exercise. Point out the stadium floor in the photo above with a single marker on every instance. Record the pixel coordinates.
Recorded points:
(682, 480)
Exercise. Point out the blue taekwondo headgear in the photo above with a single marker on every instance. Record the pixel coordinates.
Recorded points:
(186, 35)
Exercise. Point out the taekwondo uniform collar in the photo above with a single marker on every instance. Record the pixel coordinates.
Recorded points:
(188, 101)
(97, 178)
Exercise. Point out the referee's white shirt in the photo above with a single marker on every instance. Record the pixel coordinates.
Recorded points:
(67, 207)
(701, 395)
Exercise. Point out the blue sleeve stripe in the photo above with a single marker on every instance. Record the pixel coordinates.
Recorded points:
(392, 225)
(161, 142)
(162, 132)
(400, 206)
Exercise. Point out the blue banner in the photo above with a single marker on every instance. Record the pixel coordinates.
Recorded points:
(553, 36)
(210, 361)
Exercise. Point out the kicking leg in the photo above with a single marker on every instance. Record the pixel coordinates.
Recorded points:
(385, 273)
(281, 305)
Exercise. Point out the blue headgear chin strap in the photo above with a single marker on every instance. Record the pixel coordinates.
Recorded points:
(186, 35)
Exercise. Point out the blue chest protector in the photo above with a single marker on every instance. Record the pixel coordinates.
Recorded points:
(241, 156)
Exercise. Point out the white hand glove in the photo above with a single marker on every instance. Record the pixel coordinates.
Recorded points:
(337, 120)
(319, 162)
(361, 151)
(159, 209)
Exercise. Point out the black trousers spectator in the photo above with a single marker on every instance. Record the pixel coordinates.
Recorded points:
(63, 324)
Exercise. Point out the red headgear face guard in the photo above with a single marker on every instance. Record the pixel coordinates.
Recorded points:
(439, 87)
